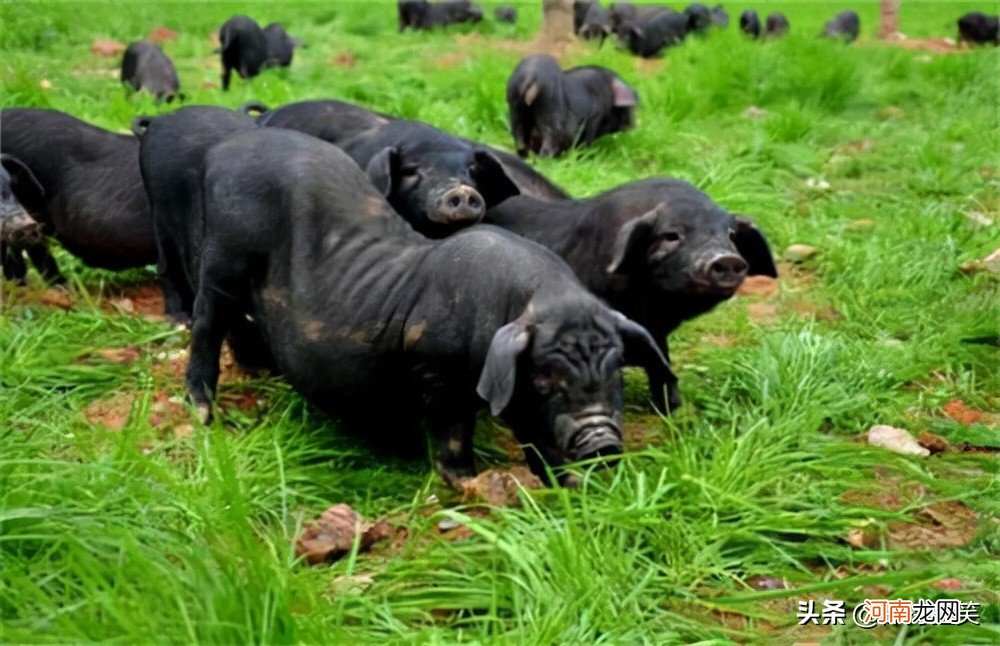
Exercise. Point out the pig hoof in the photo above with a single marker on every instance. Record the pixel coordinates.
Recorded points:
(569, 481)
(455, 476)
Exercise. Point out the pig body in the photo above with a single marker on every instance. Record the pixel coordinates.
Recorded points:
(776, 25)
(354, 307)
(659, 250)
(552, 111)
(279, 45)
(93, 201)
(421, 14)
(243, 47)
(145, 67)
(750, 23)
(979, 29)
(652, 29)
(846, 25)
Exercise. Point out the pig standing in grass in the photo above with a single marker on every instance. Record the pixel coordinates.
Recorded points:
(17, 227)
(145, 67)
(750, 23)
(979, 29)
(776, 25)
(651, 29)
(551, 111)
(845, 25)
(390, 331)
(421, 14)
(659, 250)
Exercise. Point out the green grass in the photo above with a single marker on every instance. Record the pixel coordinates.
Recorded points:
(147, 535)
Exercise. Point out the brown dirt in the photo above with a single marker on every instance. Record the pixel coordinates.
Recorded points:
(499, 487)
(144, 299)
(959, 411)
(107, 48)
(762, 313)
(58, 297)
(123, 356)
(345, 60)
(450, 59)
(719, 340)
(933, 443)
(763, 286)
(942, 525)
(111, 413)
(932, 45)
(332, 535)
(162, 34)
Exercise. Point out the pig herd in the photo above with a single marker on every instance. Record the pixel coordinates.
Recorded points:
(399, 277)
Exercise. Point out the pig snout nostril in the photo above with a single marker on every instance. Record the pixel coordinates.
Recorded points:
(475, 202)
(727, 269)
(455, 201)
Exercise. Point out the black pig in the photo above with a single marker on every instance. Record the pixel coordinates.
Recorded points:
(506, 13)
(719, 16)
(358, 311)
(145, 67)
(652, 29)
(979, 29)
(659, 250)
(596, 24)
(776, 25)
(280, 46)
(750, 23)
(94, 203)
(699, 18)
(421, 14)
(845, 25)
(243, 48)
(552, 111)
(437, 181)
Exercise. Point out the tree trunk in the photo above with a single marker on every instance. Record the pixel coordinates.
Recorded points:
(888, 13)
(558, 20)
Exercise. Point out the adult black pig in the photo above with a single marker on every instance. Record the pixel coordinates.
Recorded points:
(620, 13)
(699, 18)
(659, 250)
(386, 329)
(437, 181)
(171, 151)
(421, 14)
(16, 222)
(551, 111)
(596, 24)
(145, 67)
(845, 25)
(242, 47)
(750, 23)
(94, 203)
(506, 13)
(652, 29)
(776, 25)
(719, 16)
(280, 46)
(979, 29)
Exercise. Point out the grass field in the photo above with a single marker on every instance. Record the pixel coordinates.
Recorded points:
(120, 521)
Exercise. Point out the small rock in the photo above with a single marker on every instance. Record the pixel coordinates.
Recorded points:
(959, 411)
(933, 443)
(818, 183)
(45, 84)
(107, 48)
(123, 305)
(861, 539)
(447, 524)
(799, 252)
(500, 487)
(759, 286)
(897, 440)
(754, 112)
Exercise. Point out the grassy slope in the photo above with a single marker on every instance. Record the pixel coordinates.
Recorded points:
(141, 534)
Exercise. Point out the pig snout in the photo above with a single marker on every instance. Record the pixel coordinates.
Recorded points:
(590, 434)
(18, 227)
(724, 272)
(459, 204)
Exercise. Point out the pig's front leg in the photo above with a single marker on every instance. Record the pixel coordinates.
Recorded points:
(450, 420)
(45, 263)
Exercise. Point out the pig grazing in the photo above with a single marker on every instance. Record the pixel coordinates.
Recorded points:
(652, 29)
(437, 181)
(172, 148)
(659, 250)
(421, 14)
(620, 13)
(16, 223)
(280, 46)
(390, 331)
(719, 16)
(776, 25)
(699, 18)
(506, 13)
(979, 29)
(845, 25)
(750, 23)
(243, 48)
(145, 67)
(596, 24)
(551, 111)
(92, 198)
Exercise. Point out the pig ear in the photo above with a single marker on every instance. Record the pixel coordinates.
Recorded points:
(624, 96)
(496, 383)
(637, 31)
(383, 169)
(492, 181)
(752, 245)
(632, 236)
(24, 184)
(531, 93)
(641, 349)
(140, 124)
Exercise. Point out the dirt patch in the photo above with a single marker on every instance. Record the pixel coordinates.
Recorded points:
(931, 45)
(856, 147)
(107, 48)
(640, 431)
(144, 299)
(111, 413)
(719, 340)
(943, 525)
(959, 411)
(162, 34)
(650, 66)
(121, 356)
(500, 487)
(763, 286)
(332, 535)
(451, 59)
(762, 313)
(345, 60)
(888, 493)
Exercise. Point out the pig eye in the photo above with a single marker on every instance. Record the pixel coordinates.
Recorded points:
(410, 176)
(670, 236)
(542, 383)
(732, 235)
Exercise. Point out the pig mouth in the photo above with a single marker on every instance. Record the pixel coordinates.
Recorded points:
(592, 434)
(698, 285)
(20, 229)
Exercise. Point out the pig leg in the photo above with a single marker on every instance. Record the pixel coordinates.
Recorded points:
(14, 267)
(177, 298)
(450, 424)
(227, 74)
(46, 265)
(215, 306)
(660, 382)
